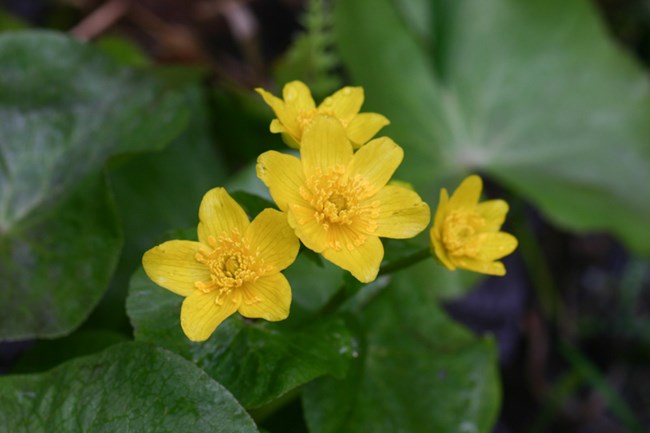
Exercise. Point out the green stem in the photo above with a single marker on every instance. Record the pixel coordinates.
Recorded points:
(405, 262)
(349, 290)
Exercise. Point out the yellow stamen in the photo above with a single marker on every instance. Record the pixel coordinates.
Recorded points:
(340, 203)
(232, 263)
(461, 231)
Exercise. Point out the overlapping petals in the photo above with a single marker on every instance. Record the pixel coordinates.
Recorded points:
(297, 109)
(235, 266)
(466, 234)
(338, 202)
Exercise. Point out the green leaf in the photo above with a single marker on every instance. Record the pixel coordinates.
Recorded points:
(65, 109)
(257, 361)
(416, 371)
(46, 354)
(55, 266)
(531, 92)
(128, 387)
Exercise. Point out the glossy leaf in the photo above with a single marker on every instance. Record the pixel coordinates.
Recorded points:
(257, 361)
(65, 109)
(128, 387)
(416, 371)
(531, 92)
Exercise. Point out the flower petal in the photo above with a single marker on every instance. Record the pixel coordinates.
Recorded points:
(489, 268)
(276, 126)
(496, 245)
(273, 239)
(440, 213)
(219, 213)
(285, 116)
(200, 314)
(467, 194)
(310, 231)
(297, 96)
(172, 265)
(324, 145)
(377, 161)
(440, 251)
(344, 103)
(402, 213)
(267, 298)
(364, 126)
(362, 261)
(283, 175)
(494, 212)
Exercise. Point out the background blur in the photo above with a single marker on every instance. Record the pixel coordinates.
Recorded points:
(548, 100)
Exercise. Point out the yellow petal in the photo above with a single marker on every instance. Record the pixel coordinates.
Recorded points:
(172, 265)
(276, 126)
(467, 194)
(376, 162)
(489, 268)
(345, 103)
(267, 298)
(273, 239)
(290, 141)
(218, 214)
(298, 97)
(440, 251)
(200, 314)
(362, 261)
(364, 126)
(310, 232)
(324, 144)
(402, 213)
(440, 213)
(285, 116)
(494, 212)
(496, 245)
(283, 175)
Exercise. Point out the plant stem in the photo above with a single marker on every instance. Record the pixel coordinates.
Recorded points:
(349, 290)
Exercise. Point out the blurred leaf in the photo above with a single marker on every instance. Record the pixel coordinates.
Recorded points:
(253, 204)
(129, 387)
(257, 361)
(55, 266)
(65, 109)
(9, 22)
(310, 58)
(46, 354)
(416, 371)
(159, 191)
(532, 92)
(122, 50)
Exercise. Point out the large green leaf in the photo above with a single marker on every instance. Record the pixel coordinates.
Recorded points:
(65, 109)
(416, 371)
(257, 361)
(532, 92)
(128, 387)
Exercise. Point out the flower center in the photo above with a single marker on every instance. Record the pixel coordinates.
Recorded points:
(341, 201)
(304, 117)
(231, 262)
(461, 233)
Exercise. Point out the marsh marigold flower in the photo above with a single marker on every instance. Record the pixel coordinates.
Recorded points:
(465, 233)
(235, 266)
(339, 203)
(298, 109)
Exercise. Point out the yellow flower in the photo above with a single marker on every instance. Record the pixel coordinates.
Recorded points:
(298, 109)
(338, 202)
(465, 233)
(235, 266)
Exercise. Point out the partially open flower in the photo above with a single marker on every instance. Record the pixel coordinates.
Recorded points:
(235, 266)
(298, 109)
(466, 234)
